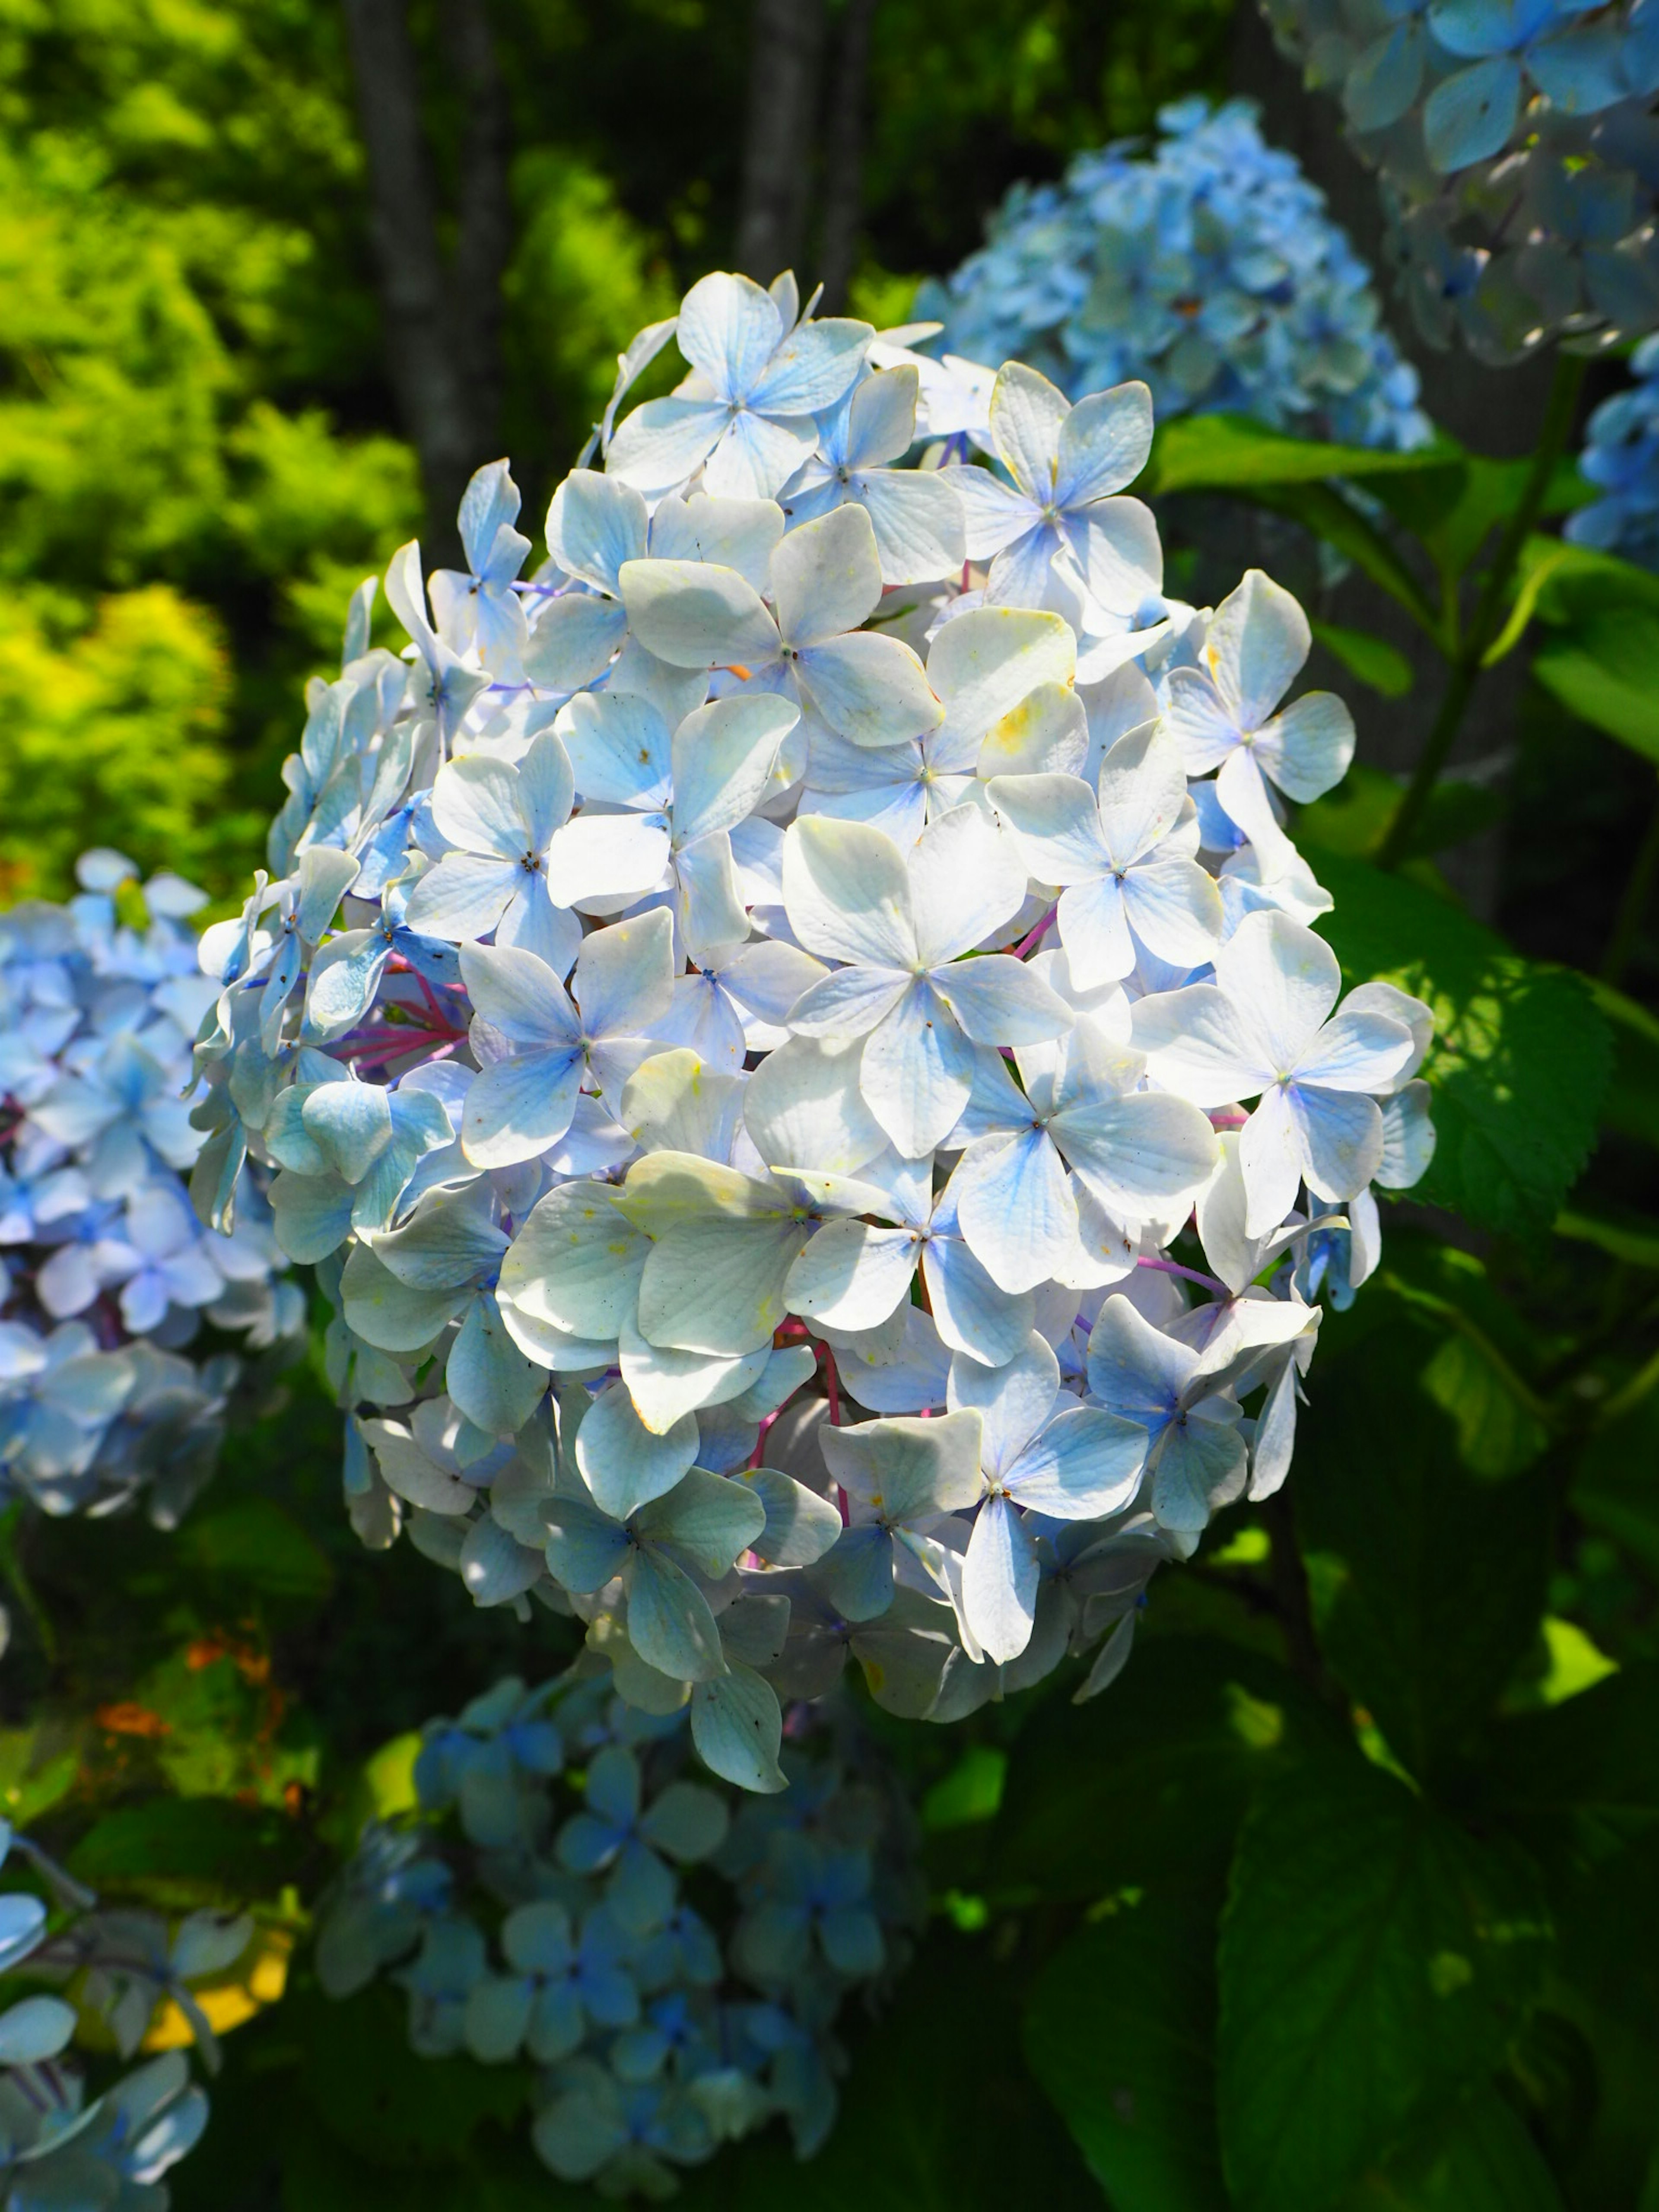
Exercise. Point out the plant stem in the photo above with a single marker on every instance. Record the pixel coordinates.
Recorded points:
(1633, 905)
(1487, 618)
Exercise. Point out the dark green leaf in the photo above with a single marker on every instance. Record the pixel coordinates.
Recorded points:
(255, 1544)
(939, 2113)
(380, 2100)
(1521, 1057)
(1615, 1485)
(1374, 1961)
(1602, 670)
(1150, 1779)
(1427, 1584)
(1586, 1771)
(1120, 2031)
(1632, 1104)
(189, 1844)
(1377, 663)
(1354, 819)
(1482, 2160)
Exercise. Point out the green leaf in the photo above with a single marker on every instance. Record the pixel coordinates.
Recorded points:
(1119, 2031)
(1631, 1104)
(1354, 819)
(1602, 669)
(1427, 1585)
(256, 1544)
(380, 2100)
(1375, 663)
(1482, 2160)
(1150, 1779)
(1374, 1962)
(939, 2113)
(1634, 1242)
(1521, 1057)
(1584, 1774)
(189, 1847)
(1232, 452)
(1615, 1485)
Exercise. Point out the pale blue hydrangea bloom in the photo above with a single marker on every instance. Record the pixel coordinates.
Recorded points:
(1515, 143)
(657, 2029)
(1621, 459)
(1206, 267)
(58, 2146)
(641, 1009)
(106, 1277)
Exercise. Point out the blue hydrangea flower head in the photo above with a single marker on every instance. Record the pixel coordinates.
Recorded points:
(1206, 267)
(659, 2030)
(1515, 143)
(109, 1285)
(1621, 459)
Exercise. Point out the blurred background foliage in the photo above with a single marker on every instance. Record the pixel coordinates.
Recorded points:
(200, 447)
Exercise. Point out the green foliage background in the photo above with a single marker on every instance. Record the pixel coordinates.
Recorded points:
(1343, 1901)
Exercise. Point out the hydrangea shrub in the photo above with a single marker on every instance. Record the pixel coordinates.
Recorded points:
(61, 2146)
(812, 1089)
(106, 1276)
(1621, 459)
(1206, 267)
(672, 1962)
(1515, 146)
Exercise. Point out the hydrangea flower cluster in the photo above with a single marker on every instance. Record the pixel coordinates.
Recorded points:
(1518, 148)
(105, 1274)
(674, 1966)
(1207, 267)
(57, 2146)
(1621, 457)
(742, 1080)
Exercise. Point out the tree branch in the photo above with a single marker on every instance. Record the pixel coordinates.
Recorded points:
(785, 48)
(843, 161)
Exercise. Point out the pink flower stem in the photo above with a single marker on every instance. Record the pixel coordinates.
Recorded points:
(1030, 942)
(1190, 1274)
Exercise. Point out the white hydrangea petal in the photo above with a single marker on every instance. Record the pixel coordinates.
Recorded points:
(1055, 823)
(1271, 1155)
(606, 856)
(999, 1001)
(869, 689)
(1085, 1465)
(994, 514)
(1094, 929)
(999, 1579)
(1307, 750)
(662, 444)
(463, 897)
(758, 454)
(1256, 643)
(1027, 413)
(594, 523)
(917, 1072)
(693, 614)
(848, 893)
(1342, 1141)
(966, 880)
(1284, 978)
(722, 759)
(618, 747)
(1175, 910)
(917, 517)
(852, 1274)
(825, 577)
(1017, 1210)
(1104, 442)
(518, 1108)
